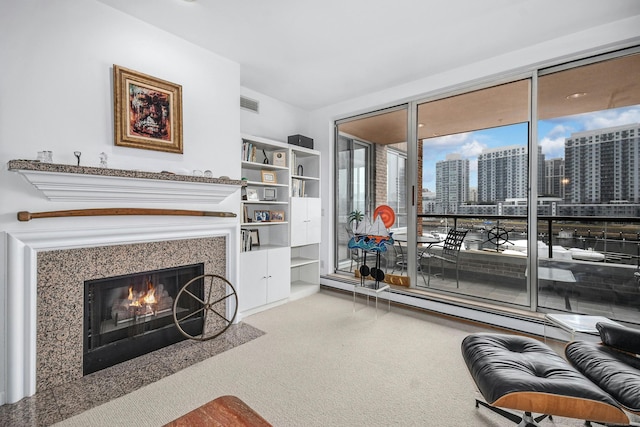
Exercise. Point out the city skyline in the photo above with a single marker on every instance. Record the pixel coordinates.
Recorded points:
(551, 136)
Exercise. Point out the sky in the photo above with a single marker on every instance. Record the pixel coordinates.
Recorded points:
(551, 136)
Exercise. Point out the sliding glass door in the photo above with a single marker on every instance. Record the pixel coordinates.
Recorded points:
(475, 165)
(541, 173)
(589, 217)
(370, 171)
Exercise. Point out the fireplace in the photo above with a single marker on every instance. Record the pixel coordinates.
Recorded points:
(130, 315)
(46, 276)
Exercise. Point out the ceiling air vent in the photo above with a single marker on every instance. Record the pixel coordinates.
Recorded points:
(249, 104)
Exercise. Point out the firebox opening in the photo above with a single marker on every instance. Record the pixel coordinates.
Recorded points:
(131, 315)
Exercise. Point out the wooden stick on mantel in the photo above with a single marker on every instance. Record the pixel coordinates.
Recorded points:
(26, 216)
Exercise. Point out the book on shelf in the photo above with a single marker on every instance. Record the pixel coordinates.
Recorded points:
(247, 243)
(248, 152)
(292, 163)
(297, 187)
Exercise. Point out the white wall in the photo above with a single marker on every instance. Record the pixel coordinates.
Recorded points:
(275, 119)
(57, 94)
(596, 40)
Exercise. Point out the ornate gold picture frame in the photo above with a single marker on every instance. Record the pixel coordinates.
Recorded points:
(147, 111)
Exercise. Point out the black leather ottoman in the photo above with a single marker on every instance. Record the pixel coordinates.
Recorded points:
(522, 373)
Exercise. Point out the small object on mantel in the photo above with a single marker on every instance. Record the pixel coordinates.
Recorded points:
(77, 154)
(103, 160)
(224, 177)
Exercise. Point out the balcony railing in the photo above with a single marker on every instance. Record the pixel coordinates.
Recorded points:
(599, 257)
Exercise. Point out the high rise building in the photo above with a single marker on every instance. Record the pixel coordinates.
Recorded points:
(603, 165)
(452, 183)
(503, 171)
(554, 179)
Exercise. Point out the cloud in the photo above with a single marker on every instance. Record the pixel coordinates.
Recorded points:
(553, 147)
(448, 141)
(472, 149)
(611, 118)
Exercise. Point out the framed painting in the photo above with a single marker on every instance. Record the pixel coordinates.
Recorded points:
(147, 111)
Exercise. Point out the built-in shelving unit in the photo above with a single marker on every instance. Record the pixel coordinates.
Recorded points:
(285, 179)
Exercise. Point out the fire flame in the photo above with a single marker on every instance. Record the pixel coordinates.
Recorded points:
(142, 298)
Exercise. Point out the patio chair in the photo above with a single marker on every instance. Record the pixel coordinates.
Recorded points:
(400, 259)
(450, 253)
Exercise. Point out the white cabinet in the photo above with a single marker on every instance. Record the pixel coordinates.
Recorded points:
(305, 220)
(265, 277)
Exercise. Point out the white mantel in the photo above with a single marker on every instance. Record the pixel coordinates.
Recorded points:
(91, 184)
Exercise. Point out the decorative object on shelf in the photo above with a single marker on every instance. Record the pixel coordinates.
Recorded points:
(279, 158)
(300, 140)
(276, 216)
(270, 194)
(269, 177)
(255, 237)
(103, 160)
(77, 154)
(209, 174)
(147, 111)
(197, 172)
(266, 159)
(252, 194)
(45, 156)
(300, 170)
(261, 216)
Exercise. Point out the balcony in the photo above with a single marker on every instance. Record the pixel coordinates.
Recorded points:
(599, 270)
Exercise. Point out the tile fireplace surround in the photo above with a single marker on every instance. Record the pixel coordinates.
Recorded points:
(47, 262)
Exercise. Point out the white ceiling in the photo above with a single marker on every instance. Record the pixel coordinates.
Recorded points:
(313, 54)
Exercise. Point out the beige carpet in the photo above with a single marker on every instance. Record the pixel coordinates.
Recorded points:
(320, 364)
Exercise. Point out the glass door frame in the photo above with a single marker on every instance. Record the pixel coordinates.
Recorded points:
(369, 164)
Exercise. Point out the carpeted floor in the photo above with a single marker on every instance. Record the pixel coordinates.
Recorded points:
(321, 364)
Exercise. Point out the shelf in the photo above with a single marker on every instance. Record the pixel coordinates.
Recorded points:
(81, 183)
(265, 184)
(259, 166)
(263, 248)
(263, 202)
(299, 262)
(262, 223)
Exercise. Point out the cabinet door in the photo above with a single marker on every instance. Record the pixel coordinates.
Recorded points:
(298, 220)
(314, 220)
(253, 280)
(279, 274)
